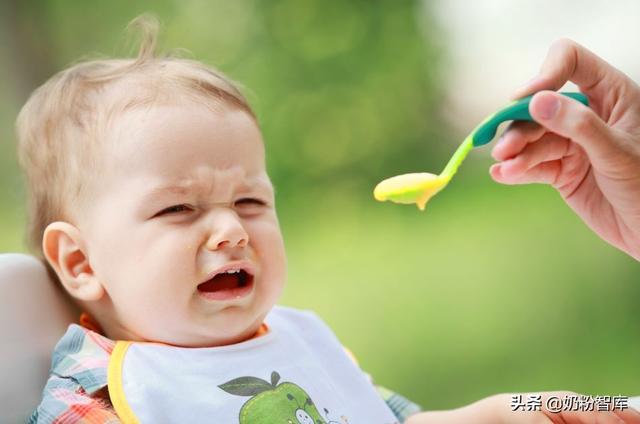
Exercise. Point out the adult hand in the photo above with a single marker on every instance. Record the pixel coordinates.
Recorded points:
(590, 155)
(498, 410)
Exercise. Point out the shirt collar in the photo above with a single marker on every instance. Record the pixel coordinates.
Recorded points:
(83, 355)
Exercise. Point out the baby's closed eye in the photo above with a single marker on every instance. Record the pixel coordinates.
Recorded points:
(174, 209)
(250, 201)
(245, 205)
(250, 205)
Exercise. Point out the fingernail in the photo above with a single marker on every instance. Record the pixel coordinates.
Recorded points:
(495, 170)
(547, 107)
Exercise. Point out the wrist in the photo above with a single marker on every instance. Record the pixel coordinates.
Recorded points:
(492, 410)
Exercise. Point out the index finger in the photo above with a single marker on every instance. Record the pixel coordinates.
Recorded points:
(569, 61)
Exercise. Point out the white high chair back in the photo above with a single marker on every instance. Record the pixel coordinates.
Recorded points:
(34, 314)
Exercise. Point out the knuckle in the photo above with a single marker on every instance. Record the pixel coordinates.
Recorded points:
(584, 123)
(564, 45)
(561, 59)
(554, 177)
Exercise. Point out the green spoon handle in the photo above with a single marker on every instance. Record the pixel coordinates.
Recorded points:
(516, 111)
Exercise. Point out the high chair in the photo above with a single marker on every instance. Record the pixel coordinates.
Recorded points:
(34, 314)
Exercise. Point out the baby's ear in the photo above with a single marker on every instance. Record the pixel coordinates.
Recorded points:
(64, 248)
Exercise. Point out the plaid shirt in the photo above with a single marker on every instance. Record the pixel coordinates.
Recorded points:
(76, 391)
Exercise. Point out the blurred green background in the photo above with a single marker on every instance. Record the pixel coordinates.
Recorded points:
(492, 289)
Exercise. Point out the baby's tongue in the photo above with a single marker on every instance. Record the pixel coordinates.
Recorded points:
(220, 282)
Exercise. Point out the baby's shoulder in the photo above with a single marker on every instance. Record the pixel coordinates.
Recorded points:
(288, 311)
(82, 355)
(294, 316)
(78, 378)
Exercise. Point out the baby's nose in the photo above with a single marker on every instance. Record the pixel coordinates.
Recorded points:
(227, 231)
(239, 242)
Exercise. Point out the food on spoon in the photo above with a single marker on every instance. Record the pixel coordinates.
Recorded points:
(415, 188)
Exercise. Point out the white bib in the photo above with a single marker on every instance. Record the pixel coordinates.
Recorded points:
(297, 373)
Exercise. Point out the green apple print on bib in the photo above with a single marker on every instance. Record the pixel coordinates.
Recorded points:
(271, 403)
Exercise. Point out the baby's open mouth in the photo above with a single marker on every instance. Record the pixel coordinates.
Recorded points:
(233, 283)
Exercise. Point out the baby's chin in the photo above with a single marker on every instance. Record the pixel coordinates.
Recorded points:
(230, 325)
(233, 333)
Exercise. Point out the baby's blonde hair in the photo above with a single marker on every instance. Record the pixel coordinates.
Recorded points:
(61, 127)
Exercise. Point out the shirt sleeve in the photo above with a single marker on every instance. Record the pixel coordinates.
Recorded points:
(64, 401)
(401, 407)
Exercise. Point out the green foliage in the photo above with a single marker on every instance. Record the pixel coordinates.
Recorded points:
(345, 90)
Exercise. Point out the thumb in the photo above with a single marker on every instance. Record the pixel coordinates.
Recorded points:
(575, 121)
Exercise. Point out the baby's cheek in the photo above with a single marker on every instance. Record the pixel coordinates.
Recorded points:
(147, 310)
(268, 245)
(264, 232)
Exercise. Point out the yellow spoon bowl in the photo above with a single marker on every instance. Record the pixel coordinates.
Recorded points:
(415, 188)
(419, 187)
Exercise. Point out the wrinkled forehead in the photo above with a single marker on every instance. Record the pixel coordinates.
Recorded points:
(165, 130)
(166, 139)
(215, 185)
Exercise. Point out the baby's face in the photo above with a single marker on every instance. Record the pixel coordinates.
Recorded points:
(185, 198)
